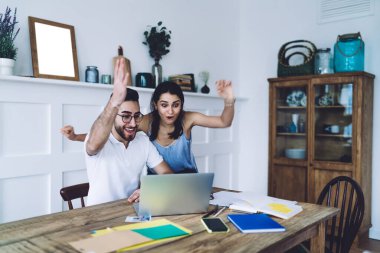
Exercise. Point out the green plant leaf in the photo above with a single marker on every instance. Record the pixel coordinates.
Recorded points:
(8, 34)
(158, 40)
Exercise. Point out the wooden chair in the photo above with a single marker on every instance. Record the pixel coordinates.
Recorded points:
(344, 193)
(70, 193)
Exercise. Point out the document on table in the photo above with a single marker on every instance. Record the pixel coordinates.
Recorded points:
(253, 203)
(225, 198)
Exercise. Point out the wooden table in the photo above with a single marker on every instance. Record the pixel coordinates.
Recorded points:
(51, 233)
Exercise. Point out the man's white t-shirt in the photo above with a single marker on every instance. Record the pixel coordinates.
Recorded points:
(114, 172)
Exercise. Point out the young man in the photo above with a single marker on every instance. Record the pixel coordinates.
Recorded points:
(116, 154)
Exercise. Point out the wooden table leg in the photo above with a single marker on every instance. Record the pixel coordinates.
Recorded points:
(317, 242)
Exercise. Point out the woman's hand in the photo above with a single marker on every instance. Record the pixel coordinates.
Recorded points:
(224, 88)
(135, 196)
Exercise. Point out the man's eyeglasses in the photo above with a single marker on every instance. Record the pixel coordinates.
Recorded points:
(126, 118)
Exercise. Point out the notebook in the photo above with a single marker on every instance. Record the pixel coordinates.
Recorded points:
(171, 194)
(255, 223)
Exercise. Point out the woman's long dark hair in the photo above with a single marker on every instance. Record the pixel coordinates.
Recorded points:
(173, 89)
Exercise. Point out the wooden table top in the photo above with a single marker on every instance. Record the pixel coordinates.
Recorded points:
(51, 233)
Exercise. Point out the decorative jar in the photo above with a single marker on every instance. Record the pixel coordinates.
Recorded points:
(323, 61)
(92, 74)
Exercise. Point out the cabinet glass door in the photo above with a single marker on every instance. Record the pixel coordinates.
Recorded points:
(291, 119)
(333, 122)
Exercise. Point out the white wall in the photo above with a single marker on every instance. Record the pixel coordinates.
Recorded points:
(265, 26)
(199, 38)
(199, 43)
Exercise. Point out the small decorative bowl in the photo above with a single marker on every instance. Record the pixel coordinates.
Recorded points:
(295, 153)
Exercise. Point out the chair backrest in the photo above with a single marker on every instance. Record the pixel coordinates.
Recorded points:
(70, 193)
(344, 193)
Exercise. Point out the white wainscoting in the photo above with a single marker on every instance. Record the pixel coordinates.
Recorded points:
(36, 160)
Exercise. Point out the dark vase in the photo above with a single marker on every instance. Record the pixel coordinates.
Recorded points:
(157, 72)
(205, 89)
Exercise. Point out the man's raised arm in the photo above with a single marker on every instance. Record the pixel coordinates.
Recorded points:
(102, 126)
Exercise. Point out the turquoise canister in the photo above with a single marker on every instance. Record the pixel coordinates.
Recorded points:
(349, 53)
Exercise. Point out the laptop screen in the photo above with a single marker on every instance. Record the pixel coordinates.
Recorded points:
(171, 194)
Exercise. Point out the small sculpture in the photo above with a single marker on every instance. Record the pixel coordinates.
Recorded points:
(296, 98)
(204, 76)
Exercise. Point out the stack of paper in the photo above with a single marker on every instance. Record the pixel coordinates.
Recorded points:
(225, 198)
(253, 203)
(131, 236)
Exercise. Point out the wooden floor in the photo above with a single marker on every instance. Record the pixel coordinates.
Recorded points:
(366, 246)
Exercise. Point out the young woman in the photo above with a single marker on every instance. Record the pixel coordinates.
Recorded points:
(169, 126)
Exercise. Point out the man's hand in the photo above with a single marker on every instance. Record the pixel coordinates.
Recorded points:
(135, 197)
(68, 132)
(121, 77)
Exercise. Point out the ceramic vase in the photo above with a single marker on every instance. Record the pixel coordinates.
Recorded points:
(294, 123)
(205, 89)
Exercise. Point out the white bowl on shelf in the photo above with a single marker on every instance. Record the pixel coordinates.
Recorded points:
(295, 153)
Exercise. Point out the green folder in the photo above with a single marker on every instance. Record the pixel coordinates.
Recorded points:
(161, 232)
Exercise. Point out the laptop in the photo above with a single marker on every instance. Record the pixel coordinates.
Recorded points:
(171, 194)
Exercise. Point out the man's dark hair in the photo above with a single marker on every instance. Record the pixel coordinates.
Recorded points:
(132, 95)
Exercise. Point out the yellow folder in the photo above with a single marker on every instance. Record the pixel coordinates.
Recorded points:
(142, 225)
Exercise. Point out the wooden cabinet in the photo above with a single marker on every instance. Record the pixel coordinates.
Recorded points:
(320, 127)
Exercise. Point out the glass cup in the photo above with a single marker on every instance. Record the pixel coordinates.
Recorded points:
(106, 79)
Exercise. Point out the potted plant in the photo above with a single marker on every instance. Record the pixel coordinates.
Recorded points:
(157, 38)
(8, 34)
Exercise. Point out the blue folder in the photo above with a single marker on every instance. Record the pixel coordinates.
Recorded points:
(255, 223)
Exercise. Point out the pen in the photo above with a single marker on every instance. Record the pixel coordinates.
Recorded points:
(211, 212)
(220, 211)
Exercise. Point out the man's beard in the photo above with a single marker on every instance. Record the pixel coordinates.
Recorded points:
(120, 131)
